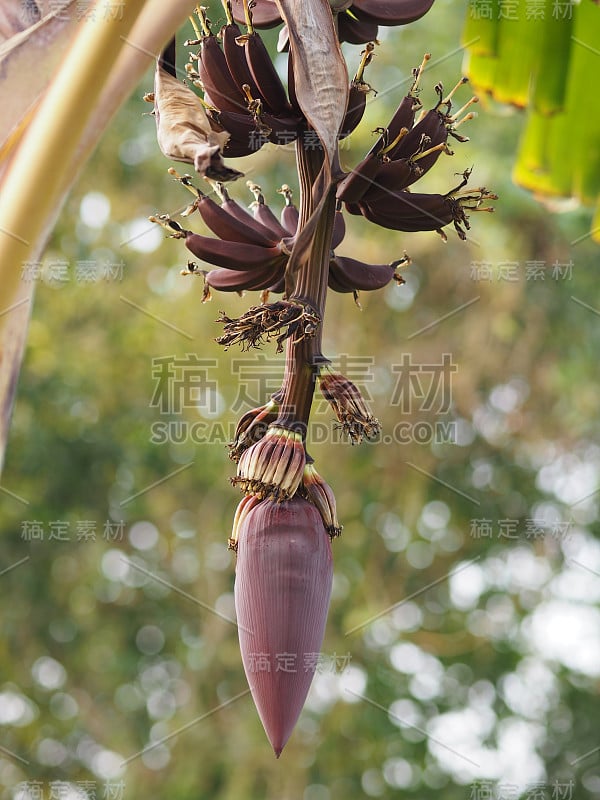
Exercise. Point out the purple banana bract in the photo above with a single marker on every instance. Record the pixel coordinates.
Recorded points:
(282, 588)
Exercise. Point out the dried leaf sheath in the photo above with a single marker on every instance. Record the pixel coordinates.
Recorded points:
(183, 130)
(282, 589)
(320, 74)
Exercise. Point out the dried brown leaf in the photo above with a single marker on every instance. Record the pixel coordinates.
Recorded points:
(183, 130)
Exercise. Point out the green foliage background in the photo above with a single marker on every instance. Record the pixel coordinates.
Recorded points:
(490, 677)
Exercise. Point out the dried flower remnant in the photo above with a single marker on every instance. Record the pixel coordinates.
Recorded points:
(260, 324)
(349, 406)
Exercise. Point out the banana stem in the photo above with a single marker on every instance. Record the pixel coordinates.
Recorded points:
(203, 19)
(403, 132)
(303, 358)
(248, 17)
(417, 75)
(227, 6)
(367, 55)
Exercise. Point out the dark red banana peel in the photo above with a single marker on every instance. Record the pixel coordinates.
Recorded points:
(282, 589)
(357, 25)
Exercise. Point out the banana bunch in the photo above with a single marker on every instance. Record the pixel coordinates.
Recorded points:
(243, 94)
(357, 20)
(252, 250)
(378, 188)
(283, 525)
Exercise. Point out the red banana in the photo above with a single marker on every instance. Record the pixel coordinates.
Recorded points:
(278, 286)
(283, 128)
(230, 280)
(354, 185)
(233, 255)
(390, 12)
(231, 228)
(392, 177)
(408, 211)
(355, 31)
(356, 275)
(357, 102)
(289, 213)
(334, 283)
(214, 73)
(264, 215)
(357, 96)
(433, 127)
(403, 118)
(245, 136)
(236, 210)
(265, 13)
(270, 88)
(236, 58)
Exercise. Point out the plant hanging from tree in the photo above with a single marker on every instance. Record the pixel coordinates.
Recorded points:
(287, 517)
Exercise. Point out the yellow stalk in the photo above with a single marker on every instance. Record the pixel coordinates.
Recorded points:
(61, 135)
(31, 186)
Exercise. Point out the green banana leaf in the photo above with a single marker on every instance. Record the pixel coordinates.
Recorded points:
(544, 56)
